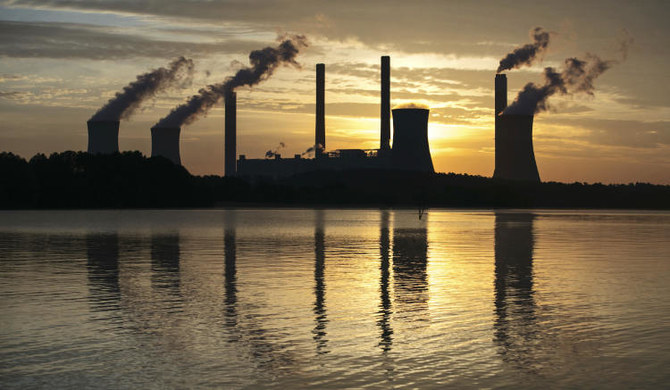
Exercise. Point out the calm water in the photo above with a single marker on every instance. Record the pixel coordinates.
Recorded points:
(334, 298)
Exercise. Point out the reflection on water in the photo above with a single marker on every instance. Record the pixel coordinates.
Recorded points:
(230, 269)
(384, 321)
(334, 299)
(165, 262)
(103, 270)
(320, 284)
(410, 261)
(516, 323)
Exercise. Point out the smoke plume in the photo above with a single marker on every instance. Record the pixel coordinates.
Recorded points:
(312, 149)
(126, 102)
(526, 54)
(577, 76)
(263, 64)
(273, 152)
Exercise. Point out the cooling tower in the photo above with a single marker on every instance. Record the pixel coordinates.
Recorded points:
(515, 159)
(385, 118)
(165, 143)
(103, 137)
(320, 131)
(410, 140)
(230, 137)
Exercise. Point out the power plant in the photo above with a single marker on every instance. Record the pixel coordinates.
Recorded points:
(514, 156)
(103, 137)
(410, 151)
(165, 143)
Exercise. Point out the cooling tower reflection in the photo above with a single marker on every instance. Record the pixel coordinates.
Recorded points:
(410, 260)
(516, 323)
(102, 250)
(165, 263)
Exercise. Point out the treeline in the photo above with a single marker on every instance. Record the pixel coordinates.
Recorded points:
(121, 180)
(130, 180)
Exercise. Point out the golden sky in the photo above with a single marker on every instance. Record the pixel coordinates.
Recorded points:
(63, 59)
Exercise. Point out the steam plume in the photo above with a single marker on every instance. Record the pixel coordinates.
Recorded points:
(263, 64)
(526, 54)
(126, 102)
(577, 76)
(273, 152)
(412, 105)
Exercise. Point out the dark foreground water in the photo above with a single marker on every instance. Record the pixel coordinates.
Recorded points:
(334, 298)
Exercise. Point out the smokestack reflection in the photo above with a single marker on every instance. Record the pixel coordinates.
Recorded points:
(102, 251)
(386, 337)
(165, 255)
(410, 261)
(320, 316)
(515, 323)
(230, 269)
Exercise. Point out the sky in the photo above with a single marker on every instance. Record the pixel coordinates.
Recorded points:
(61, 60)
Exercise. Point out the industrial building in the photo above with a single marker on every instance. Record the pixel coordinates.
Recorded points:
(410, 151)
(514, 156)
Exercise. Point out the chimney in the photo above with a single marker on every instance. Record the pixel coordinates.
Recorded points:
(103, 137)
(501, 93)
(165, 143)
(515, 159)
(320, 132)
(500, 105)
(411, 151)
(230, 137)
(385, 118)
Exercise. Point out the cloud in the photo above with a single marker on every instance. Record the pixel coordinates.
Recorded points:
(626, 133)
(70, 40)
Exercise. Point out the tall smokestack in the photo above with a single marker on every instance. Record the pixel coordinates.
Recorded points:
(103, 137)
(515, 159)
(230, 157)
(410, 140)
(501, 93)
(500, 105)
(165, 143)
(320, 132)
(385, 119)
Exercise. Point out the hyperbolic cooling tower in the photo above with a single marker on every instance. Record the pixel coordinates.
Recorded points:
(514, 156)
(230, 136)
(515, 159)
(410, 140)
(165, 143)
(320, 131)
(103, 137)
(385, 118)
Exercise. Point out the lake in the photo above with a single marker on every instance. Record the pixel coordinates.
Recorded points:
(305, 298)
